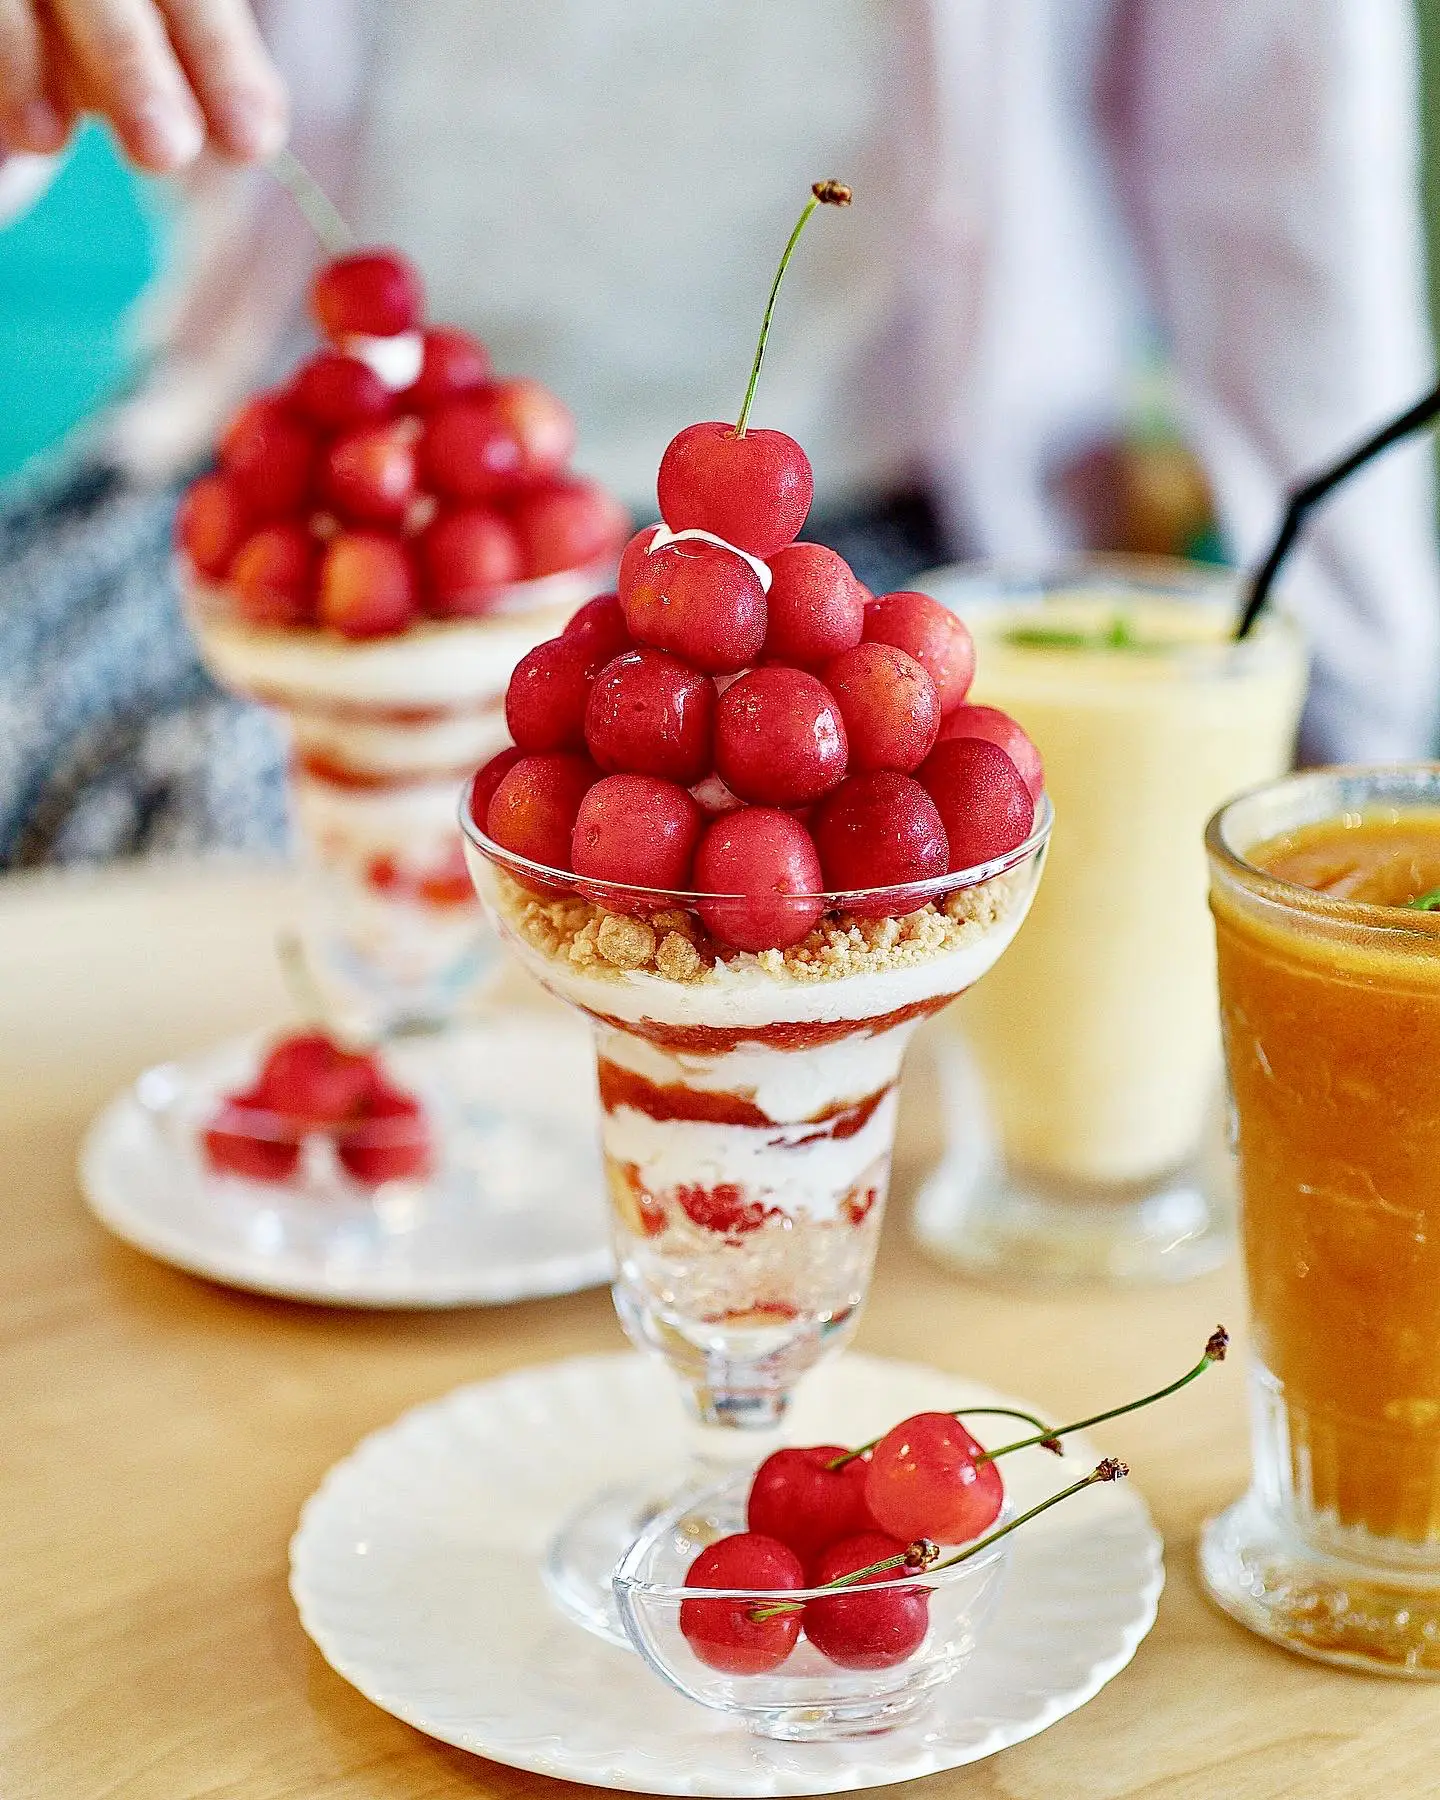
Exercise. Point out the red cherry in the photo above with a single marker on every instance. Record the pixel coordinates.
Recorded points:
(340, 393)
(932, 634)
(983, 801)
(468, 557)
(568, 525)
(879, 830)
(487, 778)
(211, 525)
(704, 603)
(369, 476)
(367, 585)
(632, 559)
(390, 1141)
(532, 813)
(753, 491)
(651, 714)
(242, 1140)
(799, 1499)
(309, 1076)
(601, 623)
(273, 577)
(768, 860)
(370, 293)
(999, 728)
(452, 363)
(270, 458)
(925, 1482)
(542, 425)
(859, 1629)
(725, 1634)
(779, 738)
(545, 701)
(467, 453)
(637, 830)
(815, 606)
(889, 704)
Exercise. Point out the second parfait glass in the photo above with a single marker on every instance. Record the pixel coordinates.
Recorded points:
(748, 1115)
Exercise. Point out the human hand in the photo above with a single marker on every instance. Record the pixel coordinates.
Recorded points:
(169, 75)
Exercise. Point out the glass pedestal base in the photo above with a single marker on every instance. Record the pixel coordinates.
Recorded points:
(1381, 1621)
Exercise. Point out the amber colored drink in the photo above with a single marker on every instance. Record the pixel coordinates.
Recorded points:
(1330, 997)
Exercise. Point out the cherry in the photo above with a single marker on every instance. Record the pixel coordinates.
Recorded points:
(879, 830)
(989, 722)
(632, 558)
(234, 1143)
(601, 624)
(269, 456)
(726, 1634)
(752, 490)
(545, 701)
(798, 1498)
(932, 634)
(568, 525)
(815, 606)
(651, 714)
(390, 1140)
(369, 293)
(468, 557)
(467, 453)
(487, 778)
(926, 1481)
(211, 525)
(369, 476)
(309, 1076)
(452, 362)
(532, 812)
(637, 830)
(984, 804)
(273, 577)
(542, 425)
(703, 602)
(765, 860)
(859, 1629)
(779, 738)
(340, 393)
(367, 585)
(889, 704)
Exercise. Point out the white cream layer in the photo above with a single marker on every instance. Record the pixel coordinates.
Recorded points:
(362, 822)
(462, 741)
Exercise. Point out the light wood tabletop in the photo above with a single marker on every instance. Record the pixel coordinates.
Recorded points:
(158, 1436)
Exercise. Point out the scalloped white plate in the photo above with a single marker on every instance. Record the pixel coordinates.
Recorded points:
(416, 1569)
(515, 1210)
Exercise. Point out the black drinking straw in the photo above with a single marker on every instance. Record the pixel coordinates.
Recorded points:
(1304, 498)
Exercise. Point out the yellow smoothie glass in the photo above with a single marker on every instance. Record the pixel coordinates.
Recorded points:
(1083, 1115)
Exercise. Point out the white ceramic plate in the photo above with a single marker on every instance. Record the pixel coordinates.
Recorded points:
(516, 1208)
(416, 1569)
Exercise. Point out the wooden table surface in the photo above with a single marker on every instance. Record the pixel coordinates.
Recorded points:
(158, 1435)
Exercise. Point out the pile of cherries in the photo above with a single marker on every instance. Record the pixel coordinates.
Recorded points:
(743, 718)
(309, 1085)
(394, 477)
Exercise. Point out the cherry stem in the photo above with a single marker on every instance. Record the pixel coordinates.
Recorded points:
(1214, 1352)
(320, 211)
(823, 193)
(1108, 1470)
(964, 1412)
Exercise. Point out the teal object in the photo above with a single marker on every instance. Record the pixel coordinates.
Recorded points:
(71, 270)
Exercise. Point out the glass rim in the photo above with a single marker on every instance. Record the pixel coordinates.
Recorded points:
(916, 893)
(1294, 896)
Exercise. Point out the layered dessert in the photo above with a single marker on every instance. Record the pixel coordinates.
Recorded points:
(384, 539)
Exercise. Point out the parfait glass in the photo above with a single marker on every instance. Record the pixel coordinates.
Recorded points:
(748, 1105)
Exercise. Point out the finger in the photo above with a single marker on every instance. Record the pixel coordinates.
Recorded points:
(129, 71)
(29, 118)
(230, 70)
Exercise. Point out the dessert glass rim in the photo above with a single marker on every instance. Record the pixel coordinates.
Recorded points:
(1403, 921)
(908, 897)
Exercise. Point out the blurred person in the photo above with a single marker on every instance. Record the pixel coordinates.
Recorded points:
(599, 188)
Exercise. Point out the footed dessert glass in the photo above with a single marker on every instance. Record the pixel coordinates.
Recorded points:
(748, 1114)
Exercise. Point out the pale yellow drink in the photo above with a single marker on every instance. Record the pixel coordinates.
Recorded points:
(1098, 1038)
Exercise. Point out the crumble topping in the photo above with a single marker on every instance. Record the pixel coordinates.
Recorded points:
(675, 945)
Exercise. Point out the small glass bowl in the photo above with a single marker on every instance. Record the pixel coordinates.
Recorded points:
(808, 1698)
